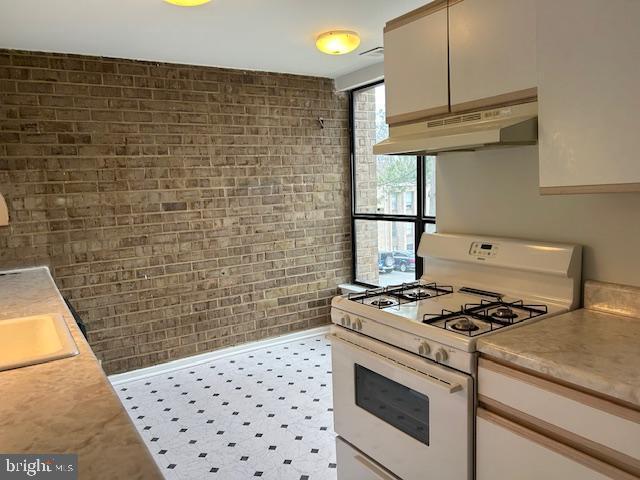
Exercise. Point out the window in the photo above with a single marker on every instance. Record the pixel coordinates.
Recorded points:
(393, 198)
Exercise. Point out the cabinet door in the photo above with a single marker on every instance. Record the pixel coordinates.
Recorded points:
(505, 450)
(415, 64)
(492, 52)
(589, 102)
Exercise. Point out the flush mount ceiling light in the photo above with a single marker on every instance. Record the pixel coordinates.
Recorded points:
(338, 42)
(187, 3)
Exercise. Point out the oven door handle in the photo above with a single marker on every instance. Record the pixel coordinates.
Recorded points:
(442, 384)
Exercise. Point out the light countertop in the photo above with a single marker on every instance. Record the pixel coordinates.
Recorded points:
(592, 348)
(67, 405)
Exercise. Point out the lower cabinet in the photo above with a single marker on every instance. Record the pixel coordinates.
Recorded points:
(354, 465)
(506, 450)
(532, 428)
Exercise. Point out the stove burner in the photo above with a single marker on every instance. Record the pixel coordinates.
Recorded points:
(383, 302)
(464, 325)
(418, 294)
(504, 313)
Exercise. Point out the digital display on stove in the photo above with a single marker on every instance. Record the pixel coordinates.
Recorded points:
(486, 246)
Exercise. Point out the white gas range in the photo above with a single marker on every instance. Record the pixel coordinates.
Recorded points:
(404, 357)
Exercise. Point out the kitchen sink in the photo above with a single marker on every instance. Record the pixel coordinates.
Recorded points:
(36, 339)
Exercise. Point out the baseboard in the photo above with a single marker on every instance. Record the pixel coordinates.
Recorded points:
(181, 363)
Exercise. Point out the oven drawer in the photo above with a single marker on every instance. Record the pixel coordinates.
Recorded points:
(354, 465)
(410, 415)
(608, 429)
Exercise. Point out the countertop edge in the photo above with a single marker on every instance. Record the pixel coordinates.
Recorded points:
(617, 390)
(143, 468)
(548, 371)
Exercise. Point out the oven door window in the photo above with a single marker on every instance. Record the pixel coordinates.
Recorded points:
(393, 403)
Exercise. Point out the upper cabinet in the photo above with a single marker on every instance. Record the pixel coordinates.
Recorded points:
(492, 52)
(415, 65)
(589, 104)
(579, 58)
(459, 55)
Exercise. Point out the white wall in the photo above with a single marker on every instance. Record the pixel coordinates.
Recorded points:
(495, 192)
(361, 77)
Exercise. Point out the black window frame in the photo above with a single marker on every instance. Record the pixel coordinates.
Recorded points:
(420, 220)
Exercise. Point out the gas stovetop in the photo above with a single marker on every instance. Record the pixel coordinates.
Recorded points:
(464, 310)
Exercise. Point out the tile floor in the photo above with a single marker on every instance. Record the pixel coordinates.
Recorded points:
(263, 414)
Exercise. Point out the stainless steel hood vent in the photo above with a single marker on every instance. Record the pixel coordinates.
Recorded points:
(505, 126)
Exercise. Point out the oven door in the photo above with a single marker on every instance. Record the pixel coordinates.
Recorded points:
(407, 413)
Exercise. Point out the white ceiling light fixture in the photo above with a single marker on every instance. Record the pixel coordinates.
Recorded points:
(187, 3)
(338, 42)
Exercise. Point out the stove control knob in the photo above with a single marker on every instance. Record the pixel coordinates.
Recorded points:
(357, 324)
(441, 355)
(347, 321)
(424, 348)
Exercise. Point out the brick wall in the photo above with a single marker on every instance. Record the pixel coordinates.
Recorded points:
(181, 209)
(366, 232)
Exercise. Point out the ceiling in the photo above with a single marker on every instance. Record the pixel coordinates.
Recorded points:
(271, 35)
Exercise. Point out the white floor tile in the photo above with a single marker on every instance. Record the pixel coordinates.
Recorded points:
(263, 414)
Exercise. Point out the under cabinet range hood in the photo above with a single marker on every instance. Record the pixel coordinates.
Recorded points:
(504, 126)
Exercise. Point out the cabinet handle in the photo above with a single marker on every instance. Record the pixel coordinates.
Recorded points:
(373, 468)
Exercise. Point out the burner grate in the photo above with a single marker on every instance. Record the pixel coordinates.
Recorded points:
(512, 312)
(400, 294)
(419, 291)
(487, 312)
